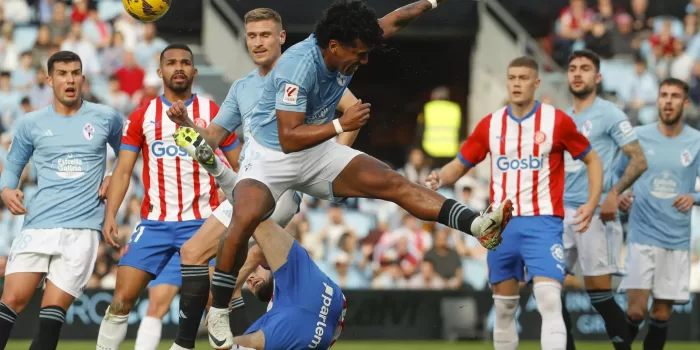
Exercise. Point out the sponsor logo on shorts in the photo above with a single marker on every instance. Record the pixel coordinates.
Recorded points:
(322, 323)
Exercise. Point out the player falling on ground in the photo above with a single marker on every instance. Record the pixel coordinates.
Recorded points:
(264, 39)
(291, 148)
(67, 141)
(527, 141)
(659, 205)
(598, 248)
(180, 194)
(309, 308)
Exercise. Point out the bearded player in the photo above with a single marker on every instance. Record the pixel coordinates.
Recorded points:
(527, 141)
(598, 248)
(659, 206)
(264, 38)
(67, 141)
(180, 194)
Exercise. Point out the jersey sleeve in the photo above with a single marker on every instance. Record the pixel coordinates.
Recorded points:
(476, 148)
(292, 83)
(132, 134)
(116, 126)
(572, 140)
(229, 115)
(21, 150)
(620, 129)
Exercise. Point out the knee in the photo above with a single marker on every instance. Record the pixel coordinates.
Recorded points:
(16, 302)
(548, 298)
(636, 312)
(661, 312)
(191, 253)
(505, 307)
(394, 184)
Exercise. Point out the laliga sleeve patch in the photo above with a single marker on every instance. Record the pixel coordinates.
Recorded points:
(291, 92)
(626, 128)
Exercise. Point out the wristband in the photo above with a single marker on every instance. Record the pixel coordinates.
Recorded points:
(338, 129)
(433, 2)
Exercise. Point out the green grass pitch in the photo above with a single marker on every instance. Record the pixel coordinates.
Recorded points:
(371, 345)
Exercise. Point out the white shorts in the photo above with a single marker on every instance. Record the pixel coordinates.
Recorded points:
(287, 206)
(597, 250)
(311, 171)
(67, 256)
(665, 272)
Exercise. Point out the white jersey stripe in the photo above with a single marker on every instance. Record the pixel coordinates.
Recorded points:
(548, 120)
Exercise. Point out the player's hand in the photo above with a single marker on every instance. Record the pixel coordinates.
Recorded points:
(13, 201)
(608, 210)
(583, 217)
(355, 116)
(433, 181)
(684, 203)
(102, 192)
(110, 232)
(624, 203)
(178, 113)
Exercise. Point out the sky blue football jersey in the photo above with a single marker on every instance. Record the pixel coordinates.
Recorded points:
(673, 166)
(608, 129)
(70, 153)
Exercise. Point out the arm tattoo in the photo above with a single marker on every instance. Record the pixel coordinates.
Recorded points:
(401, 17)
(636, 167)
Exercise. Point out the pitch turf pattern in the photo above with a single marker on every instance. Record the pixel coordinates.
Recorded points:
(369, 345)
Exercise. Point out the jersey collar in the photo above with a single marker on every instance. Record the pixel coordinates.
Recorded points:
(168, 103)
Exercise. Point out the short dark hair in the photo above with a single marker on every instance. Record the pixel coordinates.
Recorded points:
(25, 101)
(347, 20)
(176, 47)
(63, 57)
(587, 54)
(676, 82)
(5, 74)
(525, 61)
(265, 291)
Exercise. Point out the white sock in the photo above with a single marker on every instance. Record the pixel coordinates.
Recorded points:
(148, 336)
(227, 181)
(178, 347)
(505, 329)
(112, 331)
(548, 298)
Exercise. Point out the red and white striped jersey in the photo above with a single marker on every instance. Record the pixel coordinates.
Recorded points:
(527, 157)
(177, 188)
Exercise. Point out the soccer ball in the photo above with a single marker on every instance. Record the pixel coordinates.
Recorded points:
(147, 10)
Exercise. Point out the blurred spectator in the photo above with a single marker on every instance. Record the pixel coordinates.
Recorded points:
(149, 47)
(87, 93)
(131, 29)
(419, 240)
(446, 261)
(576, 20)
(681, 64)
(345, 274)
(18, 10)
(599, 39)
(59, 25)
(9, 100)
(426, 278)
(151, 90)
(664, 40)
(23, 77)
(639, 91)
(695, 84)
(117, 98)
(88, 54)
(130, 75)
(390, 276)
(624, 39)
(642, 22)
(97, 31)
(416, 169)
(40, 51)
(80, 11)
(40, 93)
(8, 49)
(113, 55)
(335, 228)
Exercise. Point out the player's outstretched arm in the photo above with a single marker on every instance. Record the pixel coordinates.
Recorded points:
(213, 134)
(401, 17)
(347, 101)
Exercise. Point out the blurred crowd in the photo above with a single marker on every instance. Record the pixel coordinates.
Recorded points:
(360, 243)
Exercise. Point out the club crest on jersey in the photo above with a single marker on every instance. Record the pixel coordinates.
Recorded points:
(540, 137)
(686, 158)
(88, 131)
(341, 80)
(200, 123)
(586, 128)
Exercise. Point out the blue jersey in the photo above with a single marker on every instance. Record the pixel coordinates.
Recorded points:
(673, 166)
(308, 310)
(608, 129)
(300, 82)
(70, 154)
(240, 102)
